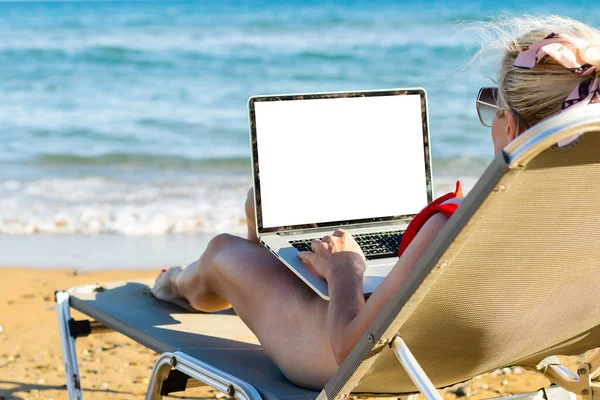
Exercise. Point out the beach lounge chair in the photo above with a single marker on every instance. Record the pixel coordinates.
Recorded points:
(513, 279)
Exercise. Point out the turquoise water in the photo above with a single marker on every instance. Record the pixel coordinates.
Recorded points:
(130, 118)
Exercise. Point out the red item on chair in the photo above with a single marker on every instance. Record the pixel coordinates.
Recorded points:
(433, 208)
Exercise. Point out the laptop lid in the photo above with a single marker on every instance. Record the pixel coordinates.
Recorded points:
(331, 159)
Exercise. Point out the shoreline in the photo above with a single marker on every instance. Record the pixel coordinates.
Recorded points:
(101, 252)
(116, 251)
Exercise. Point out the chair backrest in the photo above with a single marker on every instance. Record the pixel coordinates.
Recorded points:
(513, 277)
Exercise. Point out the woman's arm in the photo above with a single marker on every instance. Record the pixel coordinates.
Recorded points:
(339, 259)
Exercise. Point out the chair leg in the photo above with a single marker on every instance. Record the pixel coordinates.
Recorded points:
(200, 371)
(558, 393)
(68, 346)
(549, 393)
(426, 387)
(159, 375)
(414, 370)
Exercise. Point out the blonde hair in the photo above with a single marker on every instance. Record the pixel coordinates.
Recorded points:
(535, 94)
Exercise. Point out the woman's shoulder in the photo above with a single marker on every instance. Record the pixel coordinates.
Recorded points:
(446, 205)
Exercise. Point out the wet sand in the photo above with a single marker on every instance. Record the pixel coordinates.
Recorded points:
(111, 365)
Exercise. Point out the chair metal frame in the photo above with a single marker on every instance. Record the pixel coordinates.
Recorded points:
(162, 381)
(178, 371)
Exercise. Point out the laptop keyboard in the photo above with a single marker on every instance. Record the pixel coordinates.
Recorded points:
(373, 245)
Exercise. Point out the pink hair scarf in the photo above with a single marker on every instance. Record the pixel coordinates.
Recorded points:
(567, 51)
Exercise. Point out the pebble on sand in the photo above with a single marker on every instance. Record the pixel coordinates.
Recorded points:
(517, 370)
(461, 391)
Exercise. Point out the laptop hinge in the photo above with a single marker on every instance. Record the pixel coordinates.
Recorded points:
(348, 227)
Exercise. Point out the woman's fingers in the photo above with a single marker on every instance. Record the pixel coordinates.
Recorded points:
(308, 256)
(327, 241)
(339, 232)
(315, 244)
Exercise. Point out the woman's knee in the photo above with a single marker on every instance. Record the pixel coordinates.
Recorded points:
(203, 279)
(250, 216)
(225, 253)
(217, 245)
(249, 205)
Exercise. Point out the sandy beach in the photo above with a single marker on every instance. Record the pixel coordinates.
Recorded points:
(30, 356)
(112, 365)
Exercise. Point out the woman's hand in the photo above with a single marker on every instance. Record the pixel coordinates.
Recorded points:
(333, 253)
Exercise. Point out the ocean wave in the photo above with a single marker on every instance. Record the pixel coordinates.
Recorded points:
(225, 26)
(93, 205)
(236, 39)
(120, 54)
(183, 52)
(453, 167)
(109, 206)
(248, 50)
(102, 54)
(143, 160)
(326, 56)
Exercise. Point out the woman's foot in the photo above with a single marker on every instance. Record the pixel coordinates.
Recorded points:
(165, 288)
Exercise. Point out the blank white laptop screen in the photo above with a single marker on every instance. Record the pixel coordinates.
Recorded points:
(340, 159)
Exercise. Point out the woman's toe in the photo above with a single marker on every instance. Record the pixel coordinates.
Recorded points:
(164, 287)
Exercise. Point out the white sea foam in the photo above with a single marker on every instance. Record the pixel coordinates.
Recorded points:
(107, 206)
(94, 206)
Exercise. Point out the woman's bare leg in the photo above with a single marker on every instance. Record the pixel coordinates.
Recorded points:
(288, 318)
(165, 287)
(250, 217)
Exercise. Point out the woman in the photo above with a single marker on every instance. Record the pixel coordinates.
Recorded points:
(550, 64)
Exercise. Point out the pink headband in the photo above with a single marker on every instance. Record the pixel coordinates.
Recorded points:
(567, 51)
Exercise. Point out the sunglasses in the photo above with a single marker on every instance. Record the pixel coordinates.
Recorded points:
(487, 105)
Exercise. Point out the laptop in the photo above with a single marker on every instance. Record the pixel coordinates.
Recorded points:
(352, 160)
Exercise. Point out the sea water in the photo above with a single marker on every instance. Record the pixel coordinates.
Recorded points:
(129, 119)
